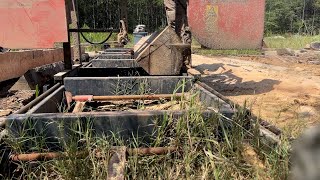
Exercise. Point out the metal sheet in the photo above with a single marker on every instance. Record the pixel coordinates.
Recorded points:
(104, 86)
(125, 125)
(32, 23)
(227, 24)
(112, 63)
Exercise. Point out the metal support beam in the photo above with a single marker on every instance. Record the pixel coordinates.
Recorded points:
(67, 55)
(66, 45)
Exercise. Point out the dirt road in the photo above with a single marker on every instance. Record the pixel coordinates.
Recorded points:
(281, 91)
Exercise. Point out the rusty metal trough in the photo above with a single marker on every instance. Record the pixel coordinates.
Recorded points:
(105, 77)
(50, 117)
(45, 118)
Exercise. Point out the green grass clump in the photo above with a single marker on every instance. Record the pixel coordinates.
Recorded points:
(214, 52)
(294, 42)
(197, 49)
(274, 42)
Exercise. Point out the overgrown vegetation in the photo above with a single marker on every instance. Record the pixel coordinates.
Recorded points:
(234, 154)
(292, 16)
(106, 13)
(214, 147)
(293, 42)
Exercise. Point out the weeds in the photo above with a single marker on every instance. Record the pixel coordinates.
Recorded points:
(274, 42)
(209, 147)
(215, 52)
(294, 42)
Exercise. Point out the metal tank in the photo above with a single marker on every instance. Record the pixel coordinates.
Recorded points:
(227, 24)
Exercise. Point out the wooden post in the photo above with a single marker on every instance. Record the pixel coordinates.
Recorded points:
(124, 11)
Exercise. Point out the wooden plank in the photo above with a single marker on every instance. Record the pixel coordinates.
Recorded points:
(79, 107)
(61, 75)
(16, 64)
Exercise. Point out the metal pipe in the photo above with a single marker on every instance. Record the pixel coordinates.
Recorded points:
(126, 97)
(27, 107)
(55, 155)
(151, 151)
(36, 156)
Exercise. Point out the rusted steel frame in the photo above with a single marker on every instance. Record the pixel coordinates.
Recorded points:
(126, 97)
(36, 156)
(55, 155)
(137, 97)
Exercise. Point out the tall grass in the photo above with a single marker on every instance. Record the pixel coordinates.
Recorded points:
(197, 49)
(209, 148)
(294, 42)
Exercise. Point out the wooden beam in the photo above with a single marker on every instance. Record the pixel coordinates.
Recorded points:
(124, 11)
(16, 64)
(79, 107)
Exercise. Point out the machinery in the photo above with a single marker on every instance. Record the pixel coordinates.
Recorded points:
(156, 70)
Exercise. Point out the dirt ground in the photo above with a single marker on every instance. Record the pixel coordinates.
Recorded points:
(14, 100)
(282, 90)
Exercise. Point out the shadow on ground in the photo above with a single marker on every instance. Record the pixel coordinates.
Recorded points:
(229, 84)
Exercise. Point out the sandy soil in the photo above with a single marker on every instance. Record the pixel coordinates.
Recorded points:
(281, 90)
(14, 100)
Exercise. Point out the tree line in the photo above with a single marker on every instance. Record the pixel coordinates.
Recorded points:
(292, 16)
(282, 16)
(106, 13)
